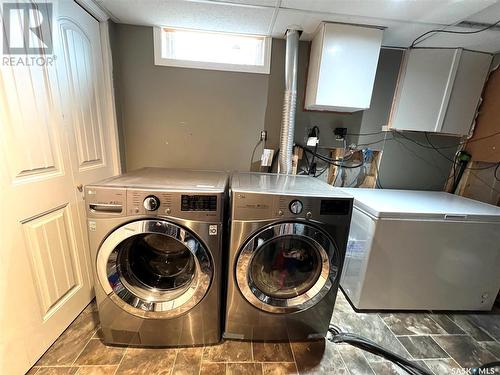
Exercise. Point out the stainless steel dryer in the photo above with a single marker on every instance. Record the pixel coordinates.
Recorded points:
(156, 243)
(287, 245)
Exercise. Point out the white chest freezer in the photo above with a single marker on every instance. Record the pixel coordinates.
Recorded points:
(418, 250)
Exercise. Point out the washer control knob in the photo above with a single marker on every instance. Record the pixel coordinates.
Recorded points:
(296, 207)
(151, 203)
(280, 213)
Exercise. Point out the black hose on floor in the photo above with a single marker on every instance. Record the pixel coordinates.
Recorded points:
(337, 336)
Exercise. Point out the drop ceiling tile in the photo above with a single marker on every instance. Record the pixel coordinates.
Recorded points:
(263, 3)
(489, 15)
(428, 11)
(396, 34)
(194, 15)
(486, 41)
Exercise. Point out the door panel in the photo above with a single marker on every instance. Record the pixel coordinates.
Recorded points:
(86, 114)
(51, 247)
(54, 136)
(32, 102)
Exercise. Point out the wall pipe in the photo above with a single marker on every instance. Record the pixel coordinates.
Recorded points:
(289, 101)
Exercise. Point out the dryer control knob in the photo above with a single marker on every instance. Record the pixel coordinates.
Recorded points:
(151, 203)
(296, 207)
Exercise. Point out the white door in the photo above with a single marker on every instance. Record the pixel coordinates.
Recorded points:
(54, 135)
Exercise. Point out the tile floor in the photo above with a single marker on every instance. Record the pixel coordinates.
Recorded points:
(439, 342)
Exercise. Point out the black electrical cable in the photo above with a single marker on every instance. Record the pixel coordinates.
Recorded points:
(452, 32)
(437, 150)
(311, 170)
(253, 152)
(337, 336)
(328, 160)
(495, 173)
(360, 134)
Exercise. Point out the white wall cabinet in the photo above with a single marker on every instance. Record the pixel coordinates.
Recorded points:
(342, 67)
(439, 90)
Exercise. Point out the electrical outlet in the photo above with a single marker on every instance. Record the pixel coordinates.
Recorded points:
(263, 135)
(340, 133)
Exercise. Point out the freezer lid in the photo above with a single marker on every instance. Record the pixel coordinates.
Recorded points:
(413, 204)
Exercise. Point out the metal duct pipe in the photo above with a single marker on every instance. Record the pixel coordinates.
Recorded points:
(289, 101)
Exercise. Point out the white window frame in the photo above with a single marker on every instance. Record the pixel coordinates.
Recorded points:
(162, 61)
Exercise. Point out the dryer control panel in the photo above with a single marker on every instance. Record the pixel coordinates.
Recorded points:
(259, 206)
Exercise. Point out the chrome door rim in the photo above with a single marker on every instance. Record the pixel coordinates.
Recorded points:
(323, 284)
(126, 296)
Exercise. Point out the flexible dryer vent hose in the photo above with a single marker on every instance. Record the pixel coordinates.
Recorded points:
(289, 102)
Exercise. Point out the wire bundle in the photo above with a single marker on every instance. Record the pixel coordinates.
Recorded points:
(337, 336)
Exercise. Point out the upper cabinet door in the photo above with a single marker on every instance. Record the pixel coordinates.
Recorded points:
(438, 90)
(342, 67)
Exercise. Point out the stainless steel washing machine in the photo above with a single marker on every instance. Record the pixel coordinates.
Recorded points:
(288, 237)
(156, 242)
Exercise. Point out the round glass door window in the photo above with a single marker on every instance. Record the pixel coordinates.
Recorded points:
(157, 263)
(154, 268)
(286, 267)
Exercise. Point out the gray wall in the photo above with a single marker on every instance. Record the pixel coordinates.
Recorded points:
(193, 118)
(185, 118)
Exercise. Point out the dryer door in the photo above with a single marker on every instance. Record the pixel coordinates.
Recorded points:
(287, 267)
(154, 268)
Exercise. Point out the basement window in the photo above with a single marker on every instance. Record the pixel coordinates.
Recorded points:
(212, 50)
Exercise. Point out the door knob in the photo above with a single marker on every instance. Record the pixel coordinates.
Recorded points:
(80, 188)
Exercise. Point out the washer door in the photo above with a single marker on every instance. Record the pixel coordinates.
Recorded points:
(154, 268)
(287, 267)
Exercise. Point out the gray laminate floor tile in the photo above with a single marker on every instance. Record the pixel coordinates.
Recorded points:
(279, 368)
(493, 347)
(354, 360)
(489, 323)
(447, 324)
(137, 361)
(412, 324)
(229, 351)
(443, 366)
(422, 347)
(387, 368)
(96, 370)
(317, 357)
(372, 327)
(244, 369)
(63, 370)
(272, 352)
(96, 353)
(69, 345)
(188, 361)
(465, 350)
(212, 368)
(465, 322)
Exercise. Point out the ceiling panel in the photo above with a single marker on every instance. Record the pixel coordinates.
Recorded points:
(489, 15)
(486, 41)
(264, 3)
(425, 11)
(188, 14)
(398, 34)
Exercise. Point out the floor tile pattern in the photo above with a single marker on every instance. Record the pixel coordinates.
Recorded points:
(441, 343)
